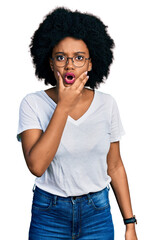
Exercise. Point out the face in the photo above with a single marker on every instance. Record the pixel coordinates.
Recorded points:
(70, 47)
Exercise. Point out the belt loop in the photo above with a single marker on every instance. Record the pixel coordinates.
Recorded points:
(108, 186)
(54, 200)
(34, 187)
(72, 200)
(89, 198)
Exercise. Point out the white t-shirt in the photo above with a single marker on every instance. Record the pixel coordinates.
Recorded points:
(80, 163)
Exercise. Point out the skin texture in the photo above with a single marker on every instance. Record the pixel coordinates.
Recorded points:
(74, 100)
(120, 187)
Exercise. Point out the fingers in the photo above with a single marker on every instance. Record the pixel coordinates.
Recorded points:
(60, 82)
(80, 81)
(83, 82)
(78, 84)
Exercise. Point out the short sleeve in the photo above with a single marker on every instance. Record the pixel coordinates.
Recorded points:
(28, 118)
(117, 130)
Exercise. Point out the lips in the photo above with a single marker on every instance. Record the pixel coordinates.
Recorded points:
(69, 77)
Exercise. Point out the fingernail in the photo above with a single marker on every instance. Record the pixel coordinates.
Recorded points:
(86, 72)
(58, 74)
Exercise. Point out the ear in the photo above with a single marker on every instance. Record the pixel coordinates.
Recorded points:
(51, 64)
(90, 65)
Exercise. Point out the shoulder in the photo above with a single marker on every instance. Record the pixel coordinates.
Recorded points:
(31, 97)
(105, 98)
(31, 100)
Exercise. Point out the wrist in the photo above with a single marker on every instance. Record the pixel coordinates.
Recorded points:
(130, 221)
(62, 109)
(130, 226)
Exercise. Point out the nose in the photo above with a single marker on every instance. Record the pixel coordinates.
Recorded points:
(69, 63)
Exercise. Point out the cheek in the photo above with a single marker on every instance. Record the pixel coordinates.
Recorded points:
(58, 70)
(55, 73)
(82, 70)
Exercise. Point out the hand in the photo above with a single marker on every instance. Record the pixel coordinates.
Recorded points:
(69, 96)
(130, 233)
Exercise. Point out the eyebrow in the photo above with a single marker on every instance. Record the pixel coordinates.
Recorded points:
(66, 54)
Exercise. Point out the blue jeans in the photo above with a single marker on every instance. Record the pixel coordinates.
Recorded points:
(83, 217)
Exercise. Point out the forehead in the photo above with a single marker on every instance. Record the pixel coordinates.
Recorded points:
(71, 45)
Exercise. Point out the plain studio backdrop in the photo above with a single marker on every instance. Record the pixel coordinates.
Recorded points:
(130, 82)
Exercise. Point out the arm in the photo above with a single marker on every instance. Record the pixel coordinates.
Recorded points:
(120, 187)
(40, 148)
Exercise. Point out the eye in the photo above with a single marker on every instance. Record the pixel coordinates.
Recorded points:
(79, 58)
(60, 58)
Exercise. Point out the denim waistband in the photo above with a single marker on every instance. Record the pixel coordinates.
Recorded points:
(50, 195)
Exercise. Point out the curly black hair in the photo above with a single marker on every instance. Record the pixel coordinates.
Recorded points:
(61, 23)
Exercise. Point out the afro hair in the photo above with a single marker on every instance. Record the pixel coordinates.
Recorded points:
(61, 23)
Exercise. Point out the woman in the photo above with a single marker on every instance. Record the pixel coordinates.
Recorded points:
(70, 134)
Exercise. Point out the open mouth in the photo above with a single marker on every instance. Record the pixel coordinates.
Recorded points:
(69, 78)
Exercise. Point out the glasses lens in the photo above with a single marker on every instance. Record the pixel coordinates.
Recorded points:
(60, 60)
(79, 60)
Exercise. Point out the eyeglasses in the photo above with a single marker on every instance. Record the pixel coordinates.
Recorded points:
(62, 60)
